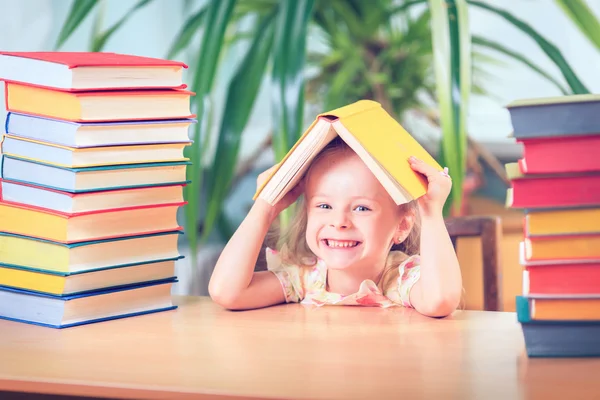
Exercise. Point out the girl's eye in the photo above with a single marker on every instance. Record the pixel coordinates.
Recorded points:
(324, 206)
(362, 208)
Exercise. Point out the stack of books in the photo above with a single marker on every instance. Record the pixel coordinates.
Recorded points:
(93, 172)
(557, 185)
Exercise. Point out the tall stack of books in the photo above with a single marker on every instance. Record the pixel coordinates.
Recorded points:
(93, 172)
(557, 184)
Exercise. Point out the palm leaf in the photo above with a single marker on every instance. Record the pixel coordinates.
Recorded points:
(581, 14)
(577, 87)
(79, 11)
(287, 76)
(217, 19)
(287, 79)
(100, 40)
(241, 95)
(449, 32)
(97, 25)
(461, 38)
(188, 30)
(406, 6)
(480, 41)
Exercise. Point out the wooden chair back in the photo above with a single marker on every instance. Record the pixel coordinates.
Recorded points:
(489, 229)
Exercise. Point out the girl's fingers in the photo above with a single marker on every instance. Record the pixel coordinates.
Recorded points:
(422, 167)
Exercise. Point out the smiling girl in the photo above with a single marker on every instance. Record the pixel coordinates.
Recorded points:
(349, 244)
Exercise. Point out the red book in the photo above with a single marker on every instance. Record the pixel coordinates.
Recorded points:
(560, 155)
(581, 278)
(555, 191)
(76, 71)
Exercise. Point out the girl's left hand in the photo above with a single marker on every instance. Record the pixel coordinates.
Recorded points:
(438, 189)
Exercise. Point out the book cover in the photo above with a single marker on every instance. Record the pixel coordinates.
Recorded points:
(77, 71)
(97, 134)
(380, 141)
(91, 307)
(572, 115)
(560, 155)
(69, 157)
(99, 106)
(71, 203)
(93, 225)
(85, 282)
(91, 179)
(43, 255)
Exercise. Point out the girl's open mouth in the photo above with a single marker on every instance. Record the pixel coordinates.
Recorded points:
(340, 244)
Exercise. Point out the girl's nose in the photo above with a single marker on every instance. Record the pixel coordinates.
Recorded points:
(340, 221)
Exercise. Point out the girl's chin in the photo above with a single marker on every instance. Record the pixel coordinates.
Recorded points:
(340, 263)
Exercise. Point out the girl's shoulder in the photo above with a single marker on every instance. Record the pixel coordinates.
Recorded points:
(403, 261)
(296, 278)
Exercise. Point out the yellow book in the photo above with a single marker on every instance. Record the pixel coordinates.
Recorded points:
(69, 284)
(61, 258)
(380, 141)
(71, 228)
(70, 157)
(562, 247)
(562, 222)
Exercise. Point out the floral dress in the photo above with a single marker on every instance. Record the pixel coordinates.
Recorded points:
(307, 284)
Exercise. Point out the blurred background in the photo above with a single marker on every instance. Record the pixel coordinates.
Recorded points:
(263, 69)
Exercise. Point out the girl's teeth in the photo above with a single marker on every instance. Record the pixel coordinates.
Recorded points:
(337, 243)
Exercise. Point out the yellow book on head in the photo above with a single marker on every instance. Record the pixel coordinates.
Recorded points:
(379, 140)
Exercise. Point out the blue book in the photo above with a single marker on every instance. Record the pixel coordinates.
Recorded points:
(575, 115)
(91, 179)
(97, 134)
(557, 338)
(68, 311)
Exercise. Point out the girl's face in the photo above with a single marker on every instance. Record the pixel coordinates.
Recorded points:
(352, 220)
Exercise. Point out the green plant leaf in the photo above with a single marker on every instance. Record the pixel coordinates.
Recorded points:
(577, 87)
(287, 78)
(97, 25)
(460, 35)
(483, 42)
(581, 14)
(217, 20)
(239, 103)
(451, 51)
(188, 30)
(79, 11)
(100, 40)
(406, 6)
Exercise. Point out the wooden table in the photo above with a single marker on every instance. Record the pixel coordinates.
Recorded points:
(290, 351)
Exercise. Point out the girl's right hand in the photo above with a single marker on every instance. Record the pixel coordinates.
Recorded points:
(289, 198)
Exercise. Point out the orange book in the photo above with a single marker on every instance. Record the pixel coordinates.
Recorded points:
(562, 309)
(562, 221)
(98, 106)
(573, 247)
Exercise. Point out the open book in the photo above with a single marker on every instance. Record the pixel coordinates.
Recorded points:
(381, 142)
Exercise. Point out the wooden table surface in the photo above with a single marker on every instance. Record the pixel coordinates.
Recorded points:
(292, 352)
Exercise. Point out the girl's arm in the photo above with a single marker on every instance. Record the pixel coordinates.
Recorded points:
(234, 284)
(437, 292)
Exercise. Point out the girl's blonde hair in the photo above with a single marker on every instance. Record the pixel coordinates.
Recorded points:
(294, 249)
